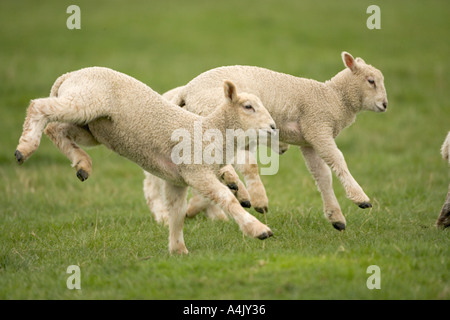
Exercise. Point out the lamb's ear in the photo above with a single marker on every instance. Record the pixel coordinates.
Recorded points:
(349, 61)
(230, 90)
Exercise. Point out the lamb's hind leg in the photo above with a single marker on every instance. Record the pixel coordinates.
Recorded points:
(175, 201)
(154, 196)
(254, 190)
(33, 126)
(215, 191)
(45, 110)
(197, 204)
(65, 136)
(228, 177)
(444, 218)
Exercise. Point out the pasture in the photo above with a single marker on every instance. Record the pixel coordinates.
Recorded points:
(50, 220)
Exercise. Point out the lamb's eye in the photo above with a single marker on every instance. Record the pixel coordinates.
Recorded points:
(249, 107)
(371, 81)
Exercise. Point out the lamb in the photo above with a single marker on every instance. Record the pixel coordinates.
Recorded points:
(444, 217)
(101, 106)
(307, 113)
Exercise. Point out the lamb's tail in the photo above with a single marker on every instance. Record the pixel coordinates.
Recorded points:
(57, 84)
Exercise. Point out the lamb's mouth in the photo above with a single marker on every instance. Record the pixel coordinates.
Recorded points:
(271, 131)
(380, 109)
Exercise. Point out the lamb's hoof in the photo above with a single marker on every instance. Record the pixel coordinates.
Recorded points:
(246, 204)
(365, 205)
(180, 251)
(265, 235)
(339, 226)
(82, 175)
(262, 209)
(19, 157)
(233, 186)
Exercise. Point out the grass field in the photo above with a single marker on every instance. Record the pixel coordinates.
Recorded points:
(50, 220)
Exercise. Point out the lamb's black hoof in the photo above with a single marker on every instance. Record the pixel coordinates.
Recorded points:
(19, 157)
(265, 235)
(262, 209)
(82, 175)
(339, 226)
(246, 204)
(365, 205)
(233, 186)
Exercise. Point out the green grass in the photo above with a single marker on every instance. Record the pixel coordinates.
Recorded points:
(49, 220)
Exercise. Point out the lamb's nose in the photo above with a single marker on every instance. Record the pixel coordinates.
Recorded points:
(385, 105)
(273, 126)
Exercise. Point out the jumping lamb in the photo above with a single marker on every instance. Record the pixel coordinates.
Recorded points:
(444, 217)
(307, 113)
(98, 105)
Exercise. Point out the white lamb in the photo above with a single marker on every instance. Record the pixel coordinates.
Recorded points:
(308, 113)
(444, 217)
(102, 106)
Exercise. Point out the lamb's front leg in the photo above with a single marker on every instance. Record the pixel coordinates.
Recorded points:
(444, 218)
(322, 175)
(154, 196)
(210, 187)
(255, 187)
(230, 178)
(326, 148)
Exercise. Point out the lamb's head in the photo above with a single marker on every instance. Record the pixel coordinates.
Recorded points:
(369, 83)
(247, 110)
